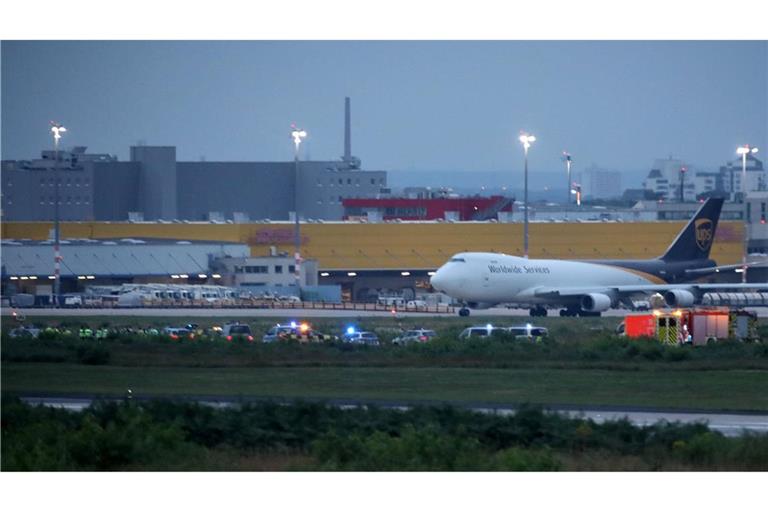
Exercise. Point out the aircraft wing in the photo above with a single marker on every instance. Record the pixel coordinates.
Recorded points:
(695, 288)
(722, 268)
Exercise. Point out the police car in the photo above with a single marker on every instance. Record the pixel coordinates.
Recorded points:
(301, 332)
(360, 337)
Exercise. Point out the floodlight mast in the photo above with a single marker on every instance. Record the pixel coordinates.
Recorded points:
(298, 135)
(57, 129)
(745, 150)
(526, 139)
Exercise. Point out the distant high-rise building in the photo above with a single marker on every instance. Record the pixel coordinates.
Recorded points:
(665, 177)
(597, 183)
(730, 176)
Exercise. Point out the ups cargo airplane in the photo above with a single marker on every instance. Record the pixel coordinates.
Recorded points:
(586, 288)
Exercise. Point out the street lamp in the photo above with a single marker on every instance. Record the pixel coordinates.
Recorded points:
(745, 150)
(298, 135)
(568, 160)
(526, 140)
(57, 130)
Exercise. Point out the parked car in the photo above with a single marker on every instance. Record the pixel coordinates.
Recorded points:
(520, 332)
(479, 331)
(416, 304)
(414, 336)
(24, 332)
(237, 330)
(279, 332)
(73, 301)
(641, 305)
(361, 338)
(528, 332)
(177, 333)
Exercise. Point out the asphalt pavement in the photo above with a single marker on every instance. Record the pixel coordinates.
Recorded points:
(762, 312)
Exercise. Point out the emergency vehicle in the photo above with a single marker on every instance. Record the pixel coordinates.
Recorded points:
(696, 326)
(301, 332)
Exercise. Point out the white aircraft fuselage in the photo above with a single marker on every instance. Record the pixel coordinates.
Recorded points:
(483, 279)
(499, 278)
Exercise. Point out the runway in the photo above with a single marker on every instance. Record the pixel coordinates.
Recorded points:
(762, 312)
(728, 423)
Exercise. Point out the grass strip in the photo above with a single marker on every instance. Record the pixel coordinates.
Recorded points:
(706, 389)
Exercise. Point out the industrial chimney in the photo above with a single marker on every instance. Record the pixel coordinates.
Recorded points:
(347, 131)
(351, 161)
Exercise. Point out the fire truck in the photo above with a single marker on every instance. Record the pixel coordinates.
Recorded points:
(696, 326)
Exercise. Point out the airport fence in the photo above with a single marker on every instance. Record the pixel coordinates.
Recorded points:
(265, 304)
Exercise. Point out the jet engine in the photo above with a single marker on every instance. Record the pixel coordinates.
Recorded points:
(595, 302)
(679, 298)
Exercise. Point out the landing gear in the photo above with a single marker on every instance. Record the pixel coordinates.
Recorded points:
(538, 311)
(464, 312)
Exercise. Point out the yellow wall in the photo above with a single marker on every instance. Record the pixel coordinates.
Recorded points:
(427, 245)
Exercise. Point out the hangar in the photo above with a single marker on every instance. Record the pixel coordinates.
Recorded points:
(366, 258)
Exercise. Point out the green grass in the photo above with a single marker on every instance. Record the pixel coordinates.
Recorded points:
(709, 389)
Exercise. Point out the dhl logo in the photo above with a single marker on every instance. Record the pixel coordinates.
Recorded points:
(704, 235)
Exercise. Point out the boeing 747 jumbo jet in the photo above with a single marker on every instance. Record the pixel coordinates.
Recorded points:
(586, 288)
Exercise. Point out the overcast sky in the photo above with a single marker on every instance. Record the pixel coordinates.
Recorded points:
(416, 105)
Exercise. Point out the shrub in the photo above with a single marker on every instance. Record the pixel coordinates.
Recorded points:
(93, 354)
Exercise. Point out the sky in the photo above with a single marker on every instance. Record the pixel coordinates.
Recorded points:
(417, 106)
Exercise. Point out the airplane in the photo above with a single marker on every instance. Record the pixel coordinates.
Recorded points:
(480, 280)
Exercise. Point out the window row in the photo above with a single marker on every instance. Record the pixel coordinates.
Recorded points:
(65, 200)
(64, 181)
(262, 269)
(347, 181)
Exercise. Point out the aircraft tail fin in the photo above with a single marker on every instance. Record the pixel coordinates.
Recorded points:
(695, 240)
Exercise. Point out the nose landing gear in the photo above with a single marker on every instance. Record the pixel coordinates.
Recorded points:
(464, 311)
(538, 311)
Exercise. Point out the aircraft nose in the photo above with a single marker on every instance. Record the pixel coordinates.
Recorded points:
(438, 280)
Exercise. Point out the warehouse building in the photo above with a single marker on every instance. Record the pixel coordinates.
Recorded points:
(153, 185)
(27, 265)
(369, 259)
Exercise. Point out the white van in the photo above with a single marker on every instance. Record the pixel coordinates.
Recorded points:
(391, 301)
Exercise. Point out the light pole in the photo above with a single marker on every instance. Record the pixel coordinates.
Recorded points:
(57, 129)
(526, 139)
(297, 136)
(568, 160)
(683, 170)
(745, 150)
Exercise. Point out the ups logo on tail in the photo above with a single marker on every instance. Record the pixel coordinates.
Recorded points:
(704, 235)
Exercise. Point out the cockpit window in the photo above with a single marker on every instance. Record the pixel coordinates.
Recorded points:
(458, 260)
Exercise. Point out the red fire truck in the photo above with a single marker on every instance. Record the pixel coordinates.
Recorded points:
(697, 326)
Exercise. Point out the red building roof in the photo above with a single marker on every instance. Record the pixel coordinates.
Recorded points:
(468, 208)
